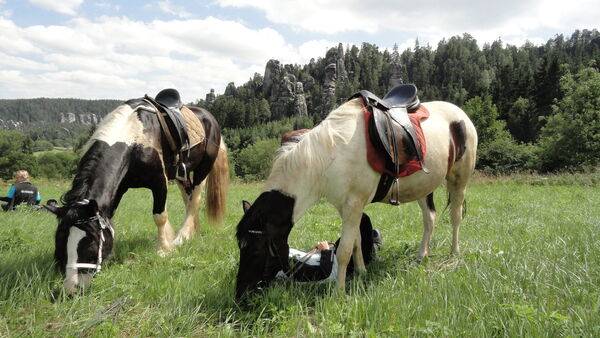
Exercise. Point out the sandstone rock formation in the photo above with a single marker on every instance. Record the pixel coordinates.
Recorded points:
(210, 97)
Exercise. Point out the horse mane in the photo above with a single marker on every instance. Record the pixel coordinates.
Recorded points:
(310, 155)
(82, 181)
(112, 124)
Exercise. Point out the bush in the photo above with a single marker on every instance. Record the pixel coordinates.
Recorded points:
(497, 151)
(571, 138)
(254, 162)
(57, 164)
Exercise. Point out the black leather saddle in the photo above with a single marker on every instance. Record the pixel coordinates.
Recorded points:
(390, 124)
(168, 102)
(405, 95)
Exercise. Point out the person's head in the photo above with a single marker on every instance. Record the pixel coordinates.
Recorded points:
(21, 176)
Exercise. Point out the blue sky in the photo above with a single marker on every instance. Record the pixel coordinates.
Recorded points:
(124, 49)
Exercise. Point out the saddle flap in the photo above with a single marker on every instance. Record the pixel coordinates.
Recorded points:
(390, 136)
(394, 125)
(172, 121)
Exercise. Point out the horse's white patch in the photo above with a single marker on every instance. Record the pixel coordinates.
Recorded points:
(120, 125)
(72, 278)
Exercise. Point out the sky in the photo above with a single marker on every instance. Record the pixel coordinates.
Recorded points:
(112, 49)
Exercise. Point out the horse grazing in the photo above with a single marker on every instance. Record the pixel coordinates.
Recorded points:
(130, 149)
(330, 161)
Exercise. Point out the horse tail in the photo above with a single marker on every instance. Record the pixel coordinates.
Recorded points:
(217, 185)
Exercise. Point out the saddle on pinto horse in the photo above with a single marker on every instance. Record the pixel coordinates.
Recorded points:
(168, 105)
(392, 133)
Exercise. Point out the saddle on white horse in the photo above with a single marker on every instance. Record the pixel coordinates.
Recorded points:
(392, 132)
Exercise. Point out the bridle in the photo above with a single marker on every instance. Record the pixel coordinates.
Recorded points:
(104, 224)
(273, 250)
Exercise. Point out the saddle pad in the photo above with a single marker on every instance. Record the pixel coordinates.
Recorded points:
(377, 159)
(193, 126)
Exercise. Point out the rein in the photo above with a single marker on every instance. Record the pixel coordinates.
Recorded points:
(104, 224)
(274, 252)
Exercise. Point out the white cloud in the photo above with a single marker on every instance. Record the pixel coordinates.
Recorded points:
(67, 7)
(313, 49)
(178, 11)
(113, 57)
(13, 40)
(430, 20)
(315, 16)
(12, 62)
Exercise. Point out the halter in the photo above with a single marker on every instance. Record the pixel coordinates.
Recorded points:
(274, 252)
(104, 224)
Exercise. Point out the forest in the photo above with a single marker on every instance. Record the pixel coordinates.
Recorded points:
(536, 107)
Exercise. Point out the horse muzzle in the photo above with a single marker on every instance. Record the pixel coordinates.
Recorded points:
(75, 281)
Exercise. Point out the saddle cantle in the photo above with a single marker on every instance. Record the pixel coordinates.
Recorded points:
(390, 129)
(403, 95)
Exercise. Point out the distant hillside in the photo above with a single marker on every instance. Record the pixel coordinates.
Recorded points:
(18, 113)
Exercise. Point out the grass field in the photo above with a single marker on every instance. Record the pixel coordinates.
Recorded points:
(530, 266)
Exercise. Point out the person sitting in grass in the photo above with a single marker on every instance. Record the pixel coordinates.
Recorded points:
(320, 263)
(20, 192)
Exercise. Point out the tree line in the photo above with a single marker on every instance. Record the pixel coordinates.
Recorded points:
(536, 107)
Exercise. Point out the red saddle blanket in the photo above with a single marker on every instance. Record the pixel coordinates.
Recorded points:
(377, 158)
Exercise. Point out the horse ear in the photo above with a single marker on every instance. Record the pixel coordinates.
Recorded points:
(246, 205)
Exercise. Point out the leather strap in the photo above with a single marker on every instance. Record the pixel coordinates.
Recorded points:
(164, 126)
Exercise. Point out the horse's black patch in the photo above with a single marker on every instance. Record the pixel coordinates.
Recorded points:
(458, 130)
(262, 236)
(430, 203)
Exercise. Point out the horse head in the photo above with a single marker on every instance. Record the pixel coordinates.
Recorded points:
(84, 238)
(262, 236)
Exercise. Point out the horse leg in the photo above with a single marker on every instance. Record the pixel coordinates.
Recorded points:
(457, 197)
(428, 212)
(349, 242)
(161, 219)
(191, 222)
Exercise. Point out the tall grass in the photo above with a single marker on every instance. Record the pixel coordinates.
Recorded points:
(530, 267)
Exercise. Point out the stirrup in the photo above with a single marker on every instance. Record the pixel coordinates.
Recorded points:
(394, 199)
(181, 173)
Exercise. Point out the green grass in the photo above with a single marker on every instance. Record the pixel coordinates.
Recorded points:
(530, 267)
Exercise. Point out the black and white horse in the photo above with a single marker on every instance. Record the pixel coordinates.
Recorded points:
(129, 150)
(330, 161)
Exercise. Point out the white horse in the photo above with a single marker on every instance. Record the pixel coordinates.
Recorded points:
(330, 162)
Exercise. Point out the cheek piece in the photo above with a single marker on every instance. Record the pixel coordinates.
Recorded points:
(104, 224)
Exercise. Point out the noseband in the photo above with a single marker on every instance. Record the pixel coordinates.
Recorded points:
(104, 224)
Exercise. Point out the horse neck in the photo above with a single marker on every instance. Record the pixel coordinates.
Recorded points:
(305, 195)
(100, 173)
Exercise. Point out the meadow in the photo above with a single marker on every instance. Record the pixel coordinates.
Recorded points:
(530, 266)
